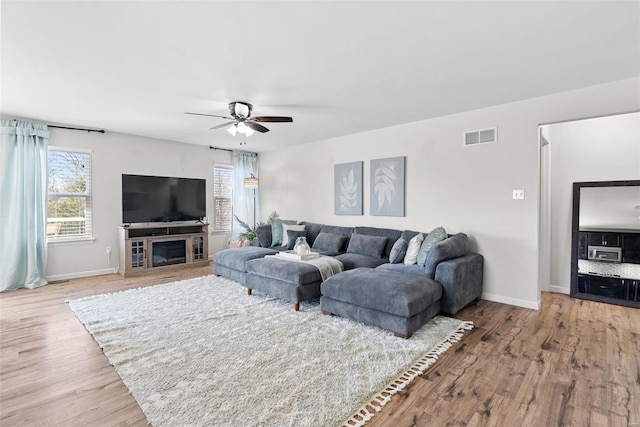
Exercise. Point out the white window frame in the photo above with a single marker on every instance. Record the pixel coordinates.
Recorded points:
(215, 213)
(88, 235)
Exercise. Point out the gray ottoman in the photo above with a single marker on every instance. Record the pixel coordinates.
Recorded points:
(287, 280)
(230, 263)
(400, 303)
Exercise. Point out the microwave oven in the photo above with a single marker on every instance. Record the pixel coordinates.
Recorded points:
(604, 253)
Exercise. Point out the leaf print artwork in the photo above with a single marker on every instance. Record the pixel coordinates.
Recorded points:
(387, 186)
(347, 188)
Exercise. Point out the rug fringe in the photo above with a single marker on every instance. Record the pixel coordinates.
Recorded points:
(361, 416)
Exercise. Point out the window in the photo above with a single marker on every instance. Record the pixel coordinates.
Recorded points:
(69, 195)
(222, 197)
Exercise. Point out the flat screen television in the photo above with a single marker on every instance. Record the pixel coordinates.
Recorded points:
(162, 199)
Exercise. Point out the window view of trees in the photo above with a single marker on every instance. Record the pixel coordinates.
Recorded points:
(69, 189)
(222, 196)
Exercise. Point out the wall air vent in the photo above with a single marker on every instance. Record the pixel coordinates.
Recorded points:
(483, 136)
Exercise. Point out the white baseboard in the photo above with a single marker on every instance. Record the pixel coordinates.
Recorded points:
(559, 289)
(58, 277)
(535, 305)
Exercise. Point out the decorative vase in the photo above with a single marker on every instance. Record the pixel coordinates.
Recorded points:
(301, 247)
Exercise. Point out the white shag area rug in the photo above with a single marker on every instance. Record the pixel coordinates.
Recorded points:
(201, 352)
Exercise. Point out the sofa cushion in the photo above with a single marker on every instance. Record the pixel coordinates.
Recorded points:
(413, 248)
(329, 242)
(408, 234)
(292, 236)
(236, 258)
(391, 235)
(414, 269)
(263, 233)
(339, 230)
(367, 245)
(452, 247)
(285, 228)
(436, 235)
(351, 261)
(398, 294)
(398, 251)
(297, 273)
(313, 229)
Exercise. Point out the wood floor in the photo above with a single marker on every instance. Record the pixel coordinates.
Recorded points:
(572, 362)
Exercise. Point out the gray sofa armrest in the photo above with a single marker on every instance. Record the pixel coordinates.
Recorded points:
(461, 280)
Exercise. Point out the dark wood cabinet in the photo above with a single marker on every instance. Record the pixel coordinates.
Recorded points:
(631, 248)
(612, 290)
(604, 239)
(583, 237)
(610, 287)
(634, 291)
(629, 242)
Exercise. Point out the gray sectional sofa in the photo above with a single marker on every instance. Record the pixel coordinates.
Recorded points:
(372, 290)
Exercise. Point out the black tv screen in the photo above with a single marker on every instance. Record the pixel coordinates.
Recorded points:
(162, 199)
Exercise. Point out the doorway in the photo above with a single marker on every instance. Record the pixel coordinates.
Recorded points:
(595, 149)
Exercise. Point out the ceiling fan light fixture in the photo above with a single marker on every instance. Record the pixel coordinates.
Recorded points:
(240, 109)
(233, 129)
(242, 128)
(248, 131)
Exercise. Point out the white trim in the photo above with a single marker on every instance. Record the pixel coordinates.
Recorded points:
(79, 274)
(223, 165)
(70, 241)
(534, 305)
(559, 289)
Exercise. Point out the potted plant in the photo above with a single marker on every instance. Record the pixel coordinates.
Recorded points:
(249, 233)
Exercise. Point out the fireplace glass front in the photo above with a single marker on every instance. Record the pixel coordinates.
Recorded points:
(169, 253)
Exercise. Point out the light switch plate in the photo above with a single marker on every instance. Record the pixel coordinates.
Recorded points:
(518, 194)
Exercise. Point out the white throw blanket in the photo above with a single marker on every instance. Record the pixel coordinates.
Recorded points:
(326, 265)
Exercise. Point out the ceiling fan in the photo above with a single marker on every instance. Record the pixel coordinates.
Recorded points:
(241, 120)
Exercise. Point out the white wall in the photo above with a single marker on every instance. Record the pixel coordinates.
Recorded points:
(466, 189)
(601, 149)
(112, 155)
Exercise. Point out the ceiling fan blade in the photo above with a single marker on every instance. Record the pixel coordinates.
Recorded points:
(222, 125)
(211, 115)
(273, 119)
(256, 126)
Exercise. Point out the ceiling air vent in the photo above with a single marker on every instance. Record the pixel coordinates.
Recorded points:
(483, 136)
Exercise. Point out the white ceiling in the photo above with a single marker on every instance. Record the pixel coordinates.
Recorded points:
(337, 67)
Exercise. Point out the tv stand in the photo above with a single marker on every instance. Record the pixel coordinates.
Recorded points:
(153, 247)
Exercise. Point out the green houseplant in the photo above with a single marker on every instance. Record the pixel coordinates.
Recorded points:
(250, 233)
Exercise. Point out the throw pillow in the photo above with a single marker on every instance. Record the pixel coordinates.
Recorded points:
(263, 233)
(276, 230)
(364, 244)
(287, 227)
(292, 236)
(398, 251)
(329, 242)
(413, 248)
(436, 235)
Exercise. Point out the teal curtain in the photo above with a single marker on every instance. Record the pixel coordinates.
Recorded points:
(244, 165)
(23, 204)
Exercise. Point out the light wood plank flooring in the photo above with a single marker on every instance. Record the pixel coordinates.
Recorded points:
(572, 362)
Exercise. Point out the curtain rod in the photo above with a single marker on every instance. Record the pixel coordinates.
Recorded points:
(70, 128)
(211, 147)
